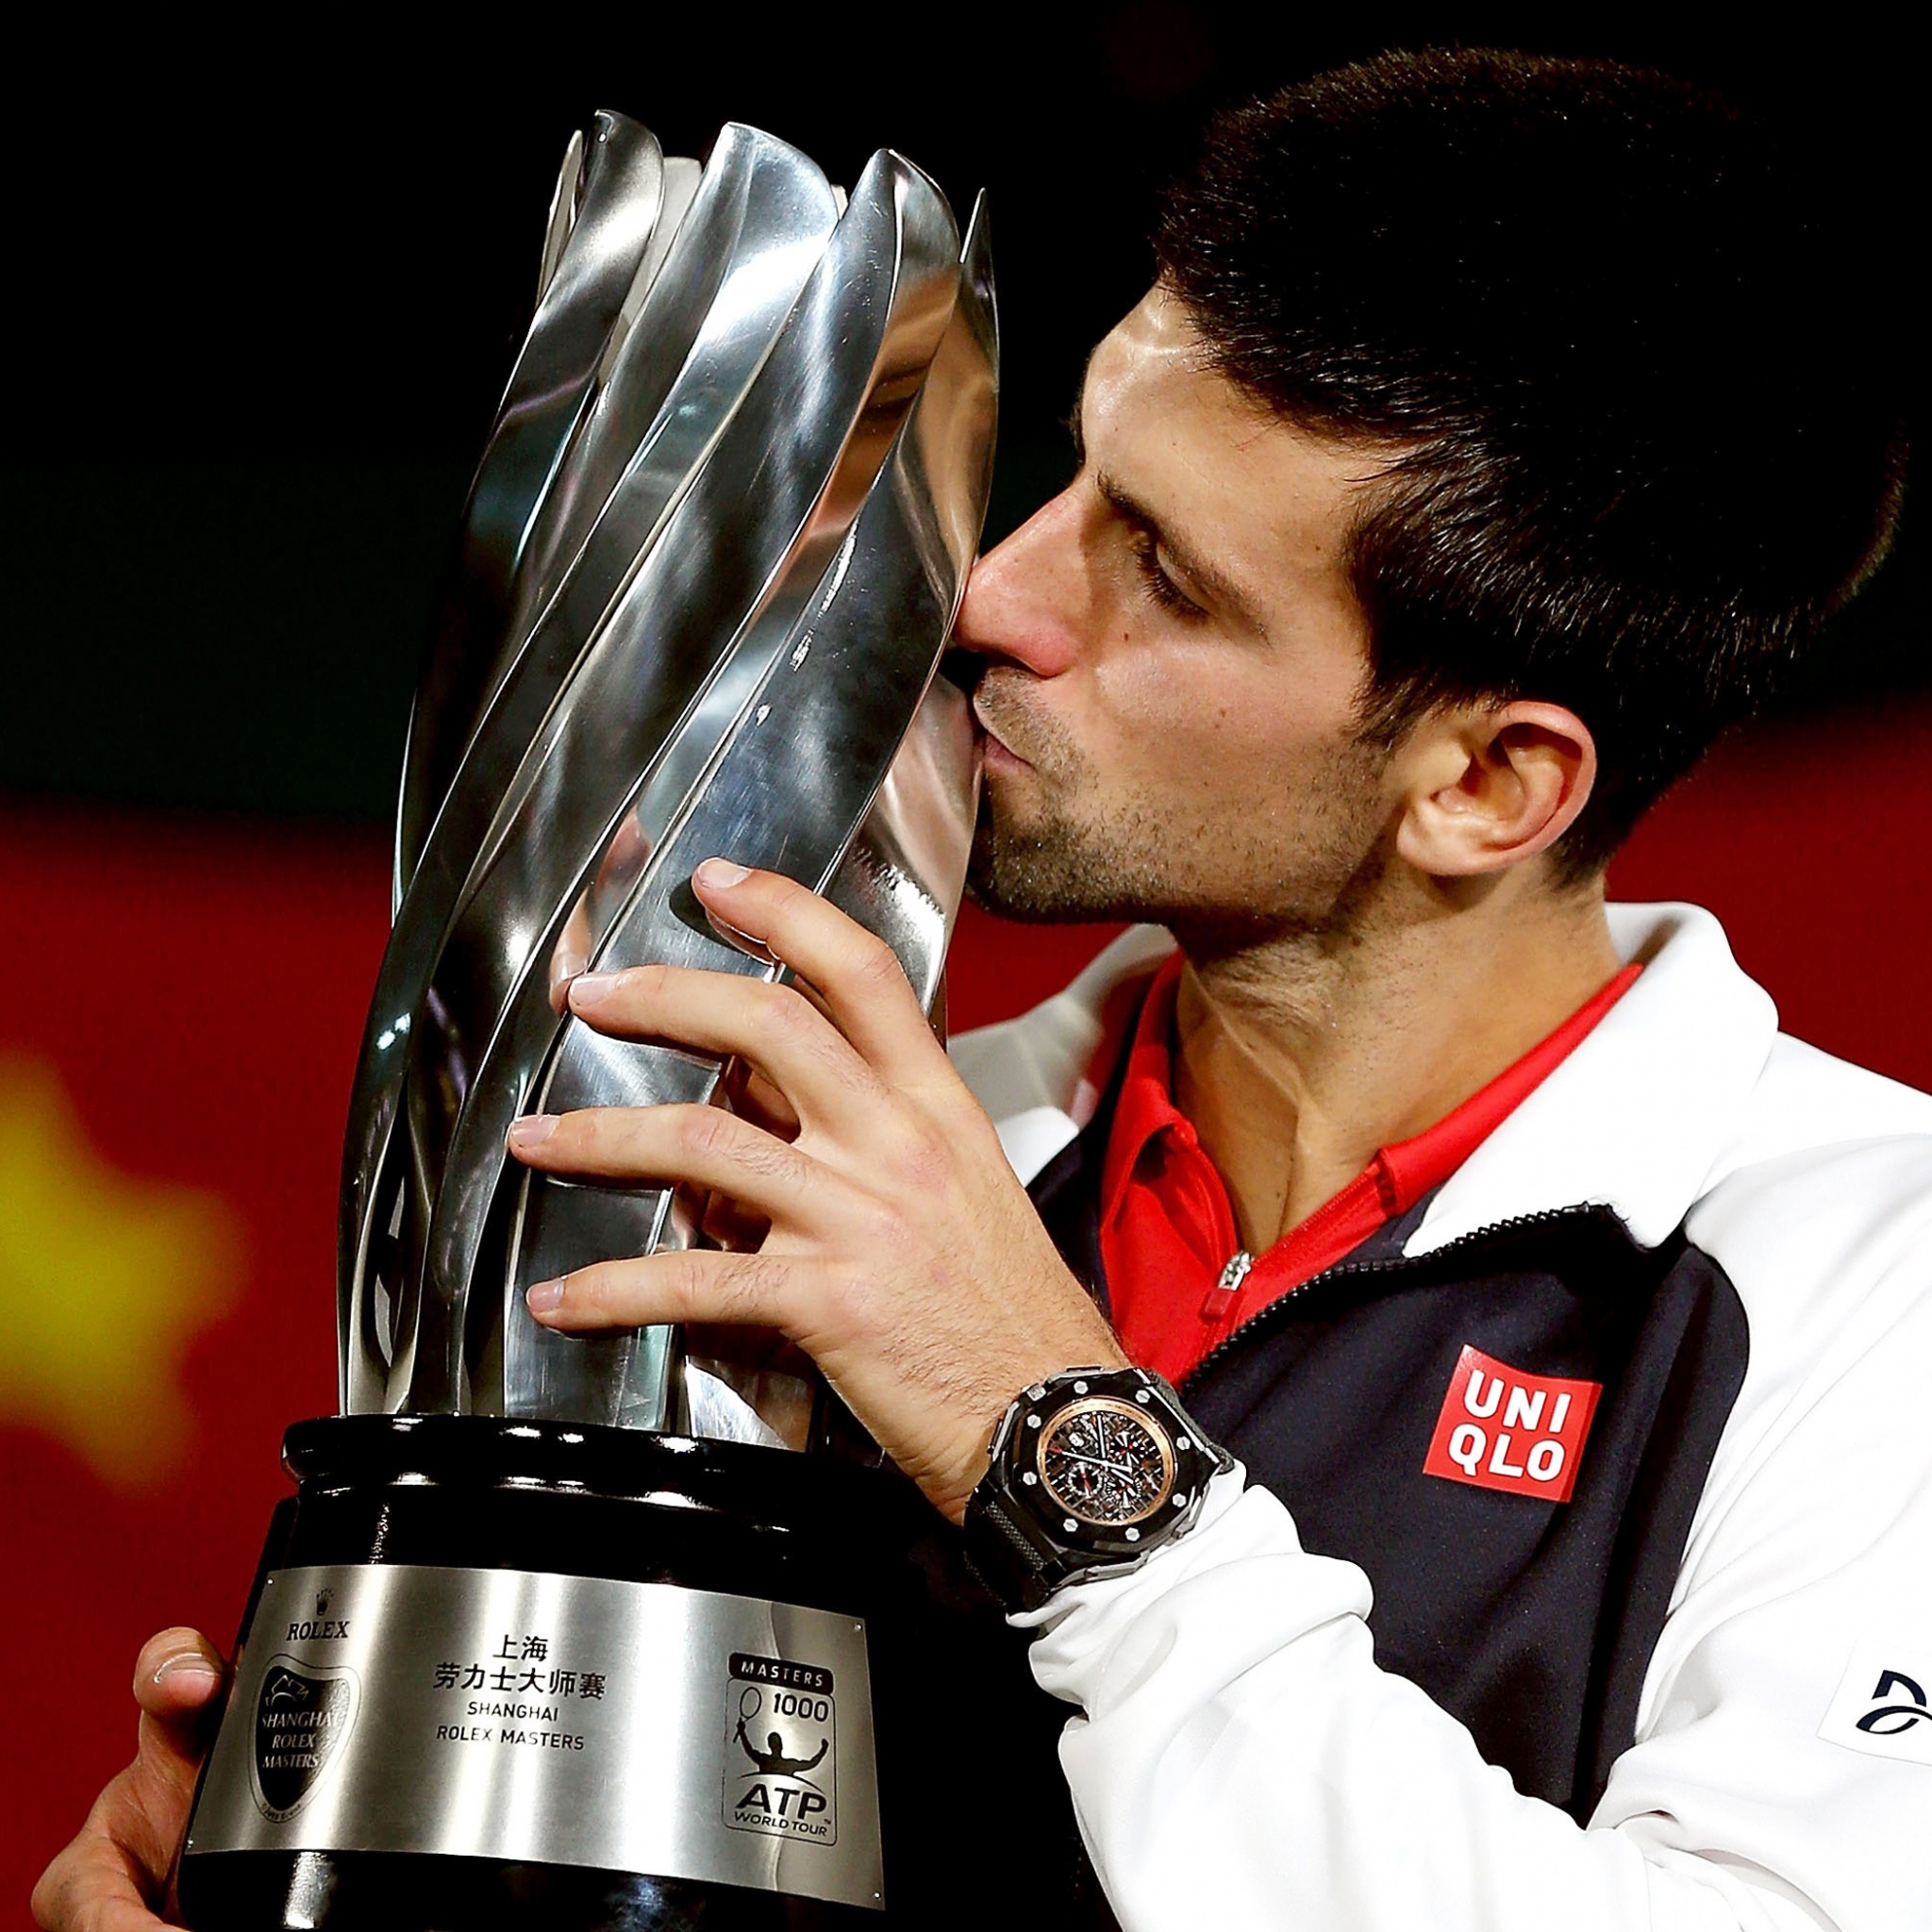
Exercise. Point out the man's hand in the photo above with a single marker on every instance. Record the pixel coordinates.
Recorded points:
(112, 1876)
(903, 1255)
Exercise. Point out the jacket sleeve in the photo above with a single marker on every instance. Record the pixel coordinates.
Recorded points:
(1241, 1761)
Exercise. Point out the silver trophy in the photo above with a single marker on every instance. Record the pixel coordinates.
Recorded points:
(556, 1631)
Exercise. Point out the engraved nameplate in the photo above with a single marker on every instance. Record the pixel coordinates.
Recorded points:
(636, 1727)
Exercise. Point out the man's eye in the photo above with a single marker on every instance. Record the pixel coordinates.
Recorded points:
(1156, 581)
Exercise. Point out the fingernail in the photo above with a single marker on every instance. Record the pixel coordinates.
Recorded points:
(587, 989)
(186, 1663)
(721, 871)
(541, 1296)
(566, 963)
(532, 1130)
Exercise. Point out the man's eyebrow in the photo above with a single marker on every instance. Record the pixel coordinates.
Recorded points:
(1192, 566)
(1076, 421)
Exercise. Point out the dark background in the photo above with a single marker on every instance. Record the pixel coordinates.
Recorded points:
(265, 284)
(268, 280)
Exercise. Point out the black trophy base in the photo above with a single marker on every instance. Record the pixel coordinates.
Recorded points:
(387, 1892)
(961, 1737)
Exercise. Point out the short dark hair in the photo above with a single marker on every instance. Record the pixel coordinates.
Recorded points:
(1644, 437)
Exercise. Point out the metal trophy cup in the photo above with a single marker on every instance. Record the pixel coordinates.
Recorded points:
(561, 1632)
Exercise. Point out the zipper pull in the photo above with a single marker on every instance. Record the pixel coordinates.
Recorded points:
(1227, 1290)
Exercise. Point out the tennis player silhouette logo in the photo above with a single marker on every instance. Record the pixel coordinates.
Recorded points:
(774, 1762)
(775, 1791)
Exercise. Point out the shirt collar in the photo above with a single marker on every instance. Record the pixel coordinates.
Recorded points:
(1636, 1119)
(1145, 1104)
(1637, 1116)
(1404, 1172)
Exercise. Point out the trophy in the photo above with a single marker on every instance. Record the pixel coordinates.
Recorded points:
(609, 1632)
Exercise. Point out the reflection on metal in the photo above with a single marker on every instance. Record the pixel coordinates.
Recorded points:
(610, 1761)
(616, 205)
(712, 558)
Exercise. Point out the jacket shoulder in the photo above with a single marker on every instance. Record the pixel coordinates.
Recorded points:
(1048, 1058)
(1808, 1102)
(1818, 1211)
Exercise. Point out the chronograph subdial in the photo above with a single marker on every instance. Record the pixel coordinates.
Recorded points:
(1106, 1462)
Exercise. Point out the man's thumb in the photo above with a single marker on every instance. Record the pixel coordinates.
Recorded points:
(177, 1679)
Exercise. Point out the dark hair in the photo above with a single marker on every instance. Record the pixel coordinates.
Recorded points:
(1644, 437)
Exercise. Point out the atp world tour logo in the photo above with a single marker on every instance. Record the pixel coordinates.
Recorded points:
(303, 1713)
(780, 1750)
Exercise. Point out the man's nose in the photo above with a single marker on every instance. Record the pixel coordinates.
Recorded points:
(1024, 598)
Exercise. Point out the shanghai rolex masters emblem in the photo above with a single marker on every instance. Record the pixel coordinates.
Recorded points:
(303, 1713)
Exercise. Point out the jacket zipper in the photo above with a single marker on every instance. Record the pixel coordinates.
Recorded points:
(1542, 1217)
(1221, 1297)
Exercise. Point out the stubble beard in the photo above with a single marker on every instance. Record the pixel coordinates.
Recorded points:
(1295, 866)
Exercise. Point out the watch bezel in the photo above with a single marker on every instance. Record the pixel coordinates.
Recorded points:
(1061, 1555)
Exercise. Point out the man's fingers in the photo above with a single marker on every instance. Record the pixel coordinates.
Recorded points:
(727, 1225)
(177, 1675)
(92, 1888)
(701, 1146)
(697, 1285)
(775, 1028)
(753, 1098)
(178, 1683)
(108, 1878)
(571, 954)
(857, 975)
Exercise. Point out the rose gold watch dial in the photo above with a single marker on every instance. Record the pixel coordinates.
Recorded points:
(1106, 1462)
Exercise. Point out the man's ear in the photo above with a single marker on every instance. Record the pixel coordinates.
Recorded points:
(1490, 788)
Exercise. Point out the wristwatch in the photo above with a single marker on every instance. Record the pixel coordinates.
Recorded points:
(1091, 1471)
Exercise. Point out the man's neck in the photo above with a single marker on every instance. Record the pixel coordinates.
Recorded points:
(1298, 1058)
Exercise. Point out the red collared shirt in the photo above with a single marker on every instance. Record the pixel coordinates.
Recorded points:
(1167, 1229)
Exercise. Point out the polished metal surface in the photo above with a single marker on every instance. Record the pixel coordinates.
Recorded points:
(617, 205)
(906, 871)
(747, 244)
(810, 747)
(751, 533)
(563, 211)
(556, 1720)
(716, 630)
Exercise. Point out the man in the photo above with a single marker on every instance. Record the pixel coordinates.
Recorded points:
(1493, 434)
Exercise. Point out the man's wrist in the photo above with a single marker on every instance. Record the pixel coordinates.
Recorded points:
(1088, 1472)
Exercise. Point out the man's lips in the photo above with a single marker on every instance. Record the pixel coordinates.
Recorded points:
(995, 750)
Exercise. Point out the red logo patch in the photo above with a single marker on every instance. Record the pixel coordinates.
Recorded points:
(1502, 1428)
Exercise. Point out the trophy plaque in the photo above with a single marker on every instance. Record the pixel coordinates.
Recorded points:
(561, 1632)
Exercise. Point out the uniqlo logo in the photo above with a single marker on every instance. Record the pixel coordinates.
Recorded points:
(1502, 1428)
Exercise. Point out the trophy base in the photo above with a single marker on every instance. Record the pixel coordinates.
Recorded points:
(507, 1674)
(387, 1892)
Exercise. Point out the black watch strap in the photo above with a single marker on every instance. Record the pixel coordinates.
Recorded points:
(1089, 1473)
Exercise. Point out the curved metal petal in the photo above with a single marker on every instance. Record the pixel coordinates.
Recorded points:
(805, 758)
(744, 250)
(746, 538)
(741, 248)
(906, 871)
(902, 879)
(549, 391)
(563, 211)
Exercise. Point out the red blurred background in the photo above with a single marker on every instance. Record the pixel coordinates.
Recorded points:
(179, 1006)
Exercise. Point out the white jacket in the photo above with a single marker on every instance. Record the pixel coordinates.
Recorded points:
(1241, 1761)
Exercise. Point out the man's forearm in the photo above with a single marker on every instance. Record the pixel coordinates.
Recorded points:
(1241, 1763)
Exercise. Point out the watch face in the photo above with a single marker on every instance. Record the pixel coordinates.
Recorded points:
(1105, 1461)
